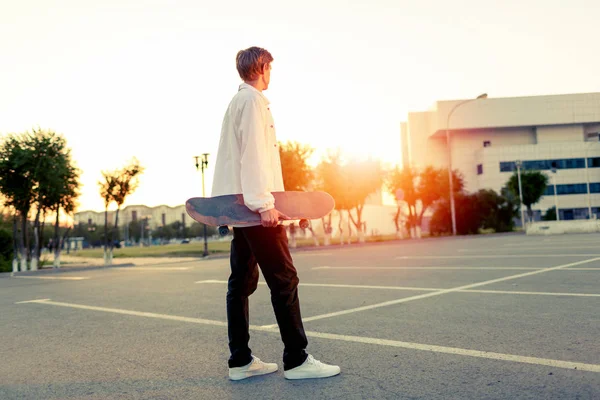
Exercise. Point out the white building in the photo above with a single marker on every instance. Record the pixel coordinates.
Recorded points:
(488, 135)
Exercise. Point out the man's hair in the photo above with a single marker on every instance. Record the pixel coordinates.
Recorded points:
(249, 62)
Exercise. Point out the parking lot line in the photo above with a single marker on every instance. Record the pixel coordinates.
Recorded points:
(443, 291)
(347, 338)
(494, 256)
(333, 285)
(63, 278)
(420, 289)
(548, 247)
(368, 267)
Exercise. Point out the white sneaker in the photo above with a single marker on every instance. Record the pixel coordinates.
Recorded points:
(312, 369)
(256, 367)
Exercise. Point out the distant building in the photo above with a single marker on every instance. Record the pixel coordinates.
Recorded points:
(489, 135)
(157, 216)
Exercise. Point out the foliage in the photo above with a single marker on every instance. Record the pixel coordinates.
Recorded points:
(37, 173)
(297, 174)
(422, 189)
(534, 185)
(115, 187)
(484, 209)
(550, 214)
(350, 184)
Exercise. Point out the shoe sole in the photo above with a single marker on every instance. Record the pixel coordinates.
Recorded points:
(245, 375)
(307, 376)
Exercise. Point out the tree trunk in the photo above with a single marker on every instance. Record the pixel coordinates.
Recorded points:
(39, 255)
(106, 259)
(56, 241)
(36, 240)
(15, 262)
(24, 241)
(399, 233)
(340, 220)
(112, 239)
(326, 230)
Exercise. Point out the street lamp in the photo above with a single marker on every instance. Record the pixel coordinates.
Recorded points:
(452, 210)
(555, 193)
(518, 164)
(203, 164)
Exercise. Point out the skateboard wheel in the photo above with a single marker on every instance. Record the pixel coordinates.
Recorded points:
(223, 230)
(303, 223)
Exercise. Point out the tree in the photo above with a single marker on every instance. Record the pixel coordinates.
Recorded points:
(297, 174)
(107, 190)
(56, 184)
(115, 187)
(550, 214)
(484, 209)
(330, 178)
(36, 173)
(362, 179)
(126, 183)
(404, 179)
(17, 187)
(534, 185)
(497, 211)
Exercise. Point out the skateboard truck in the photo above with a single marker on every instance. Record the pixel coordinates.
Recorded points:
(224, 229)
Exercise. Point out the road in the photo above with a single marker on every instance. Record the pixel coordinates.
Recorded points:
(488, 317)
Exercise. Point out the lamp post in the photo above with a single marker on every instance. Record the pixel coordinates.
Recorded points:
(203, 164)
(587, 178)
(452, 210)
(555, 193)
(518, 164)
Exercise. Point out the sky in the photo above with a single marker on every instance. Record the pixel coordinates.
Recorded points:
(151, 79)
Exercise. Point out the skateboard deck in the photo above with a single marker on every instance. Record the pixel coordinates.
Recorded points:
(230, 209)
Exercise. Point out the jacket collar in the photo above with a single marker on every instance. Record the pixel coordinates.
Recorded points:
(245, 86)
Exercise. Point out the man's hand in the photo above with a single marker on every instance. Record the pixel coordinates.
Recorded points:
(270, 218)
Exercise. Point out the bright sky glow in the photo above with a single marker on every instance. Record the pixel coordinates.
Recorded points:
(152, 79)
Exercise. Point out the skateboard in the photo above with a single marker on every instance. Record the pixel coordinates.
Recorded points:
(222, 211)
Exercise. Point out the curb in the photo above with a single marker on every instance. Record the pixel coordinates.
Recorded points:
(64, 269)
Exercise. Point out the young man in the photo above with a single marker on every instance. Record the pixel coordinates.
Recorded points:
(248, 163)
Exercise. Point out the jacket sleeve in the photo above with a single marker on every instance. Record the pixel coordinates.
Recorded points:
(255, 165)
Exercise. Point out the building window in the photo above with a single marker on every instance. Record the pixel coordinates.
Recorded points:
(134, 215)
(546, 165)
(507, 166)
(164, 219)
(573, 188)
(594, 162)
(487, 143)
(479, 169)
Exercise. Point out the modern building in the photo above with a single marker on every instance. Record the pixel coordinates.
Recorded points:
(488, 136)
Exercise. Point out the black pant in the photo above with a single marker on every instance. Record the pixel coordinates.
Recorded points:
(269, 248)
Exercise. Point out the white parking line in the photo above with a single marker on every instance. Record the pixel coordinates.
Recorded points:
(494, 256)
(353, 339)
(332, 285)
(443, 291)
(310, 254)
(155, 268)
(549, 247)
(64, 278)
(366, 267)
(420, 289)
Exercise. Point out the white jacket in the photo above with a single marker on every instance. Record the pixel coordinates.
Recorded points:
(248, 156)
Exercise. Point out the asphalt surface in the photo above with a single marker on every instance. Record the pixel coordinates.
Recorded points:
(490, 317)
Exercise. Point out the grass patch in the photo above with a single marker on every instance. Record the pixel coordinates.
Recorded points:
(193, 249)
(196, 249)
